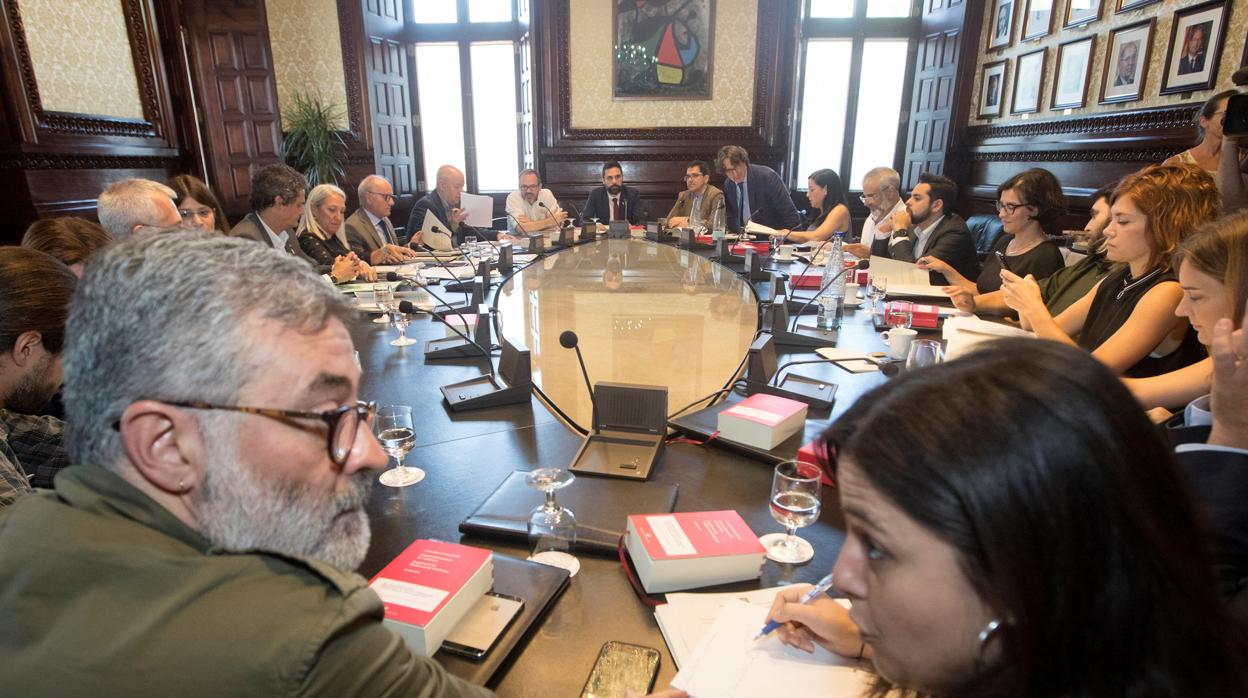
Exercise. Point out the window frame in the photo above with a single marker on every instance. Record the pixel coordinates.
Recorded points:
(463, 33)
(858, 29)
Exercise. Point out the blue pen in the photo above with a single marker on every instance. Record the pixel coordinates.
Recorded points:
(820, 588)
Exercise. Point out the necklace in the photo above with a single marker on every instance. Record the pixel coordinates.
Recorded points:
(1127, 285)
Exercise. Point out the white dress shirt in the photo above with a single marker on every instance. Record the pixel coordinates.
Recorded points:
(870, 227)
(518, 206)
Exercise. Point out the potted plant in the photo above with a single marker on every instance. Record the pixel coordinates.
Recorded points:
(313, 143)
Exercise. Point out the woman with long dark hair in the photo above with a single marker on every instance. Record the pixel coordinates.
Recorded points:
(827, 195)
(1036, 540)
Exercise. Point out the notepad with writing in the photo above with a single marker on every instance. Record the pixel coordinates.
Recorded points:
(601, 506)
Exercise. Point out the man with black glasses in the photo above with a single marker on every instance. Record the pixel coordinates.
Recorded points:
(370, 234)
(204, 540)
(881, 192)
(699, 199)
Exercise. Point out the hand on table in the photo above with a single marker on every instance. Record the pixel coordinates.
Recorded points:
(344, 269)
(822, 621)
(395, 254)
(418, 238)
(678, 222)
(858, 249)
(1229, 401)
(363, 269)
(1159, 415)
(963, 299)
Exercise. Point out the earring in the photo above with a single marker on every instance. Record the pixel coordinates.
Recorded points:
(985, 635)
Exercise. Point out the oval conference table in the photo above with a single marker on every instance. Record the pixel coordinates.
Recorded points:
(645, 313)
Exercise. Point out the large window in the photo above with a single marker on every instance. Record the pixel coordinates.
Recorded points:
(466, 77)
(855, 69)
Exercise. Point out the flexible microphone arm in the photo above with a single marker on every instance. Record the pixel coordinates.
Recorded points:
(575, 210)
(822, 288)
(813, 254)
(413, 278)
(569, 340)
(408, 307)
(888, 368)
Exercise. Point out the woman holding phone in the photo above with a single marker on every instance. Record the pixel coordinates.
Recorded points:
(1127, 320)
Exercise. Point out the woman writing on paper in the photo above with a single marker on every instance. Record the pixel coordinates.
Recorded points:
(987, 558)
(1127, 320)
(827, 196)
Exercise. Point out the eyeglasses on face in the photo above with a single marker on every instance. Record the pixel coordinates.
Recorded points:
(386, 197)
(1009, 208)
(695, 175)
(343, 421)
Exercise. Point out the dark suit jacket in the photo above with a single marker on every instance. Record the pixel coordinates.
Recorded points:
(251, 227)
(1219, 480)
(1192, 65)
(950, 242)
(770, 203)
(711, 198)
(598, 205)
(433, 202)
(363, 236)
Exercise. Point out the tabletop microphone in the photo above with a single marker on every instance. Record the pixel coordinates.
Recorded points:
(568, 340)
(409, 308)
(438, 260)
(575, 210)
(839, 274)
(888, 368)
(552, 213)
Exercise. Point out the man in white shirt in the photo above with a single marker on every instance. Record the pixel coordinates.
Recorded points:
(370, 234)
(881, 192)
(533, 209)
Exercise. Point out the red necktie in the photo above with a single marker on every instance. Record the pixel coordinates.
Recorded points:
(615, 209)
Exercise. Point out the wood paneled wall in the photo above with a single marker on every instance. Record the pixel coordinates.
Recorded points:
(57, 163)
(1084, 153)
(570, 159)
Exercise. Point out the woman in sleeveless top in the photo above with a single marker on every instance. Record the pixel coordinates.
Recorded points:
(1127, 320)
(1213, 272)
(827, 196)
(1208, 152)
(1027, 204)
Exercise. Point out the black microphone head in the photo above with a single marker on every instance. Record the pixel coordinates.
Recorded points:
(393, 276)
(889, 368)
(407, 308)
(435, 229)
(543, 205)
(567, 339)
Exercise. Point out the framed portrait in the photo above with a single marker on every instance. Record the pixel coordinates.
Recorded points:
(1196, 37)
(1037, 19)
(1126, 62)
(1028, 75)
(1127, 5)
(1081, 12)
(992, 88)
(1001, 30)
(663, 49)
(1074, 67)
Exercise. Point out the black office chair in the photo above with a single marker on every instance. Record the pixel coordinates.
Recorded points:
(984, 232)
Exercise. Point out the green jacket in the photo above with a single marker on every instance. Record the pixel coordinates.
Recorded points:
(103, 592)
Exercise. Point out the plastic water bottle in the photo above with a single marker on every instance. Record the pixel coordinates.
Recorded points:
(832, 302)
(718, 223)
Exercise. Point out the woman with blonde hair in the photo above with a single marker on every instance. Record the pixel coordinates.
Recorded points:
(321, 233)
(1127, 320)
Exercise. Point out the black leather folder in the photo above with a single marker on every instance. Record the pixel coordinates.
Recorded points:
(601, 506)
(539, 585)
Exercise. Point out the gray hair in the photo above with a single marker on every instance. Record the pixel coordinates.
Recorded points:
(315, 197)
(128, 203)
(166, 317)
(530, 171)
(883, 175)
(364, 184)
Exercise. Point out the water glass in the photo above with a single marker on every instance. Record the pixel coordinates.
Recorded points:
(397, 434)
(795, 503)
(924, 352)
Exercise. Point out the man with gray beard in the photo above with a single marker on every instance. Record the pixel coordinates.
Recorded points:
(204, 543)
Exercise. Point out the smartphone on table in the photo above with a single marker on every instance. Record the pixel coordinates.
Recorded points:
(622, 667)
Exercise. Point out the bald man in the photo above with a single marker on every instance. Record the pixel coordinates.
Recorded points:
(444, 202)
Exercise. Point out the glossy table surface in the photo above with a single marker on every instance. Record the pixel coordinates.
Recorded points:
(644, 313)
(467, 455)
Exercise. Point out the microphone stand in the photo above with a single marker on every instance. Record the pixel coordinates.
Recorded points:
(434, 254)
(823, 288)
(455, 351)
(813, 254)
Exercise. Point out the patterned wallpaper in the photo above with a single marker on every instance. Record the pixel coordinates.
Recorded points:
(80, 51)
(307, 51)
(732, 103)
(1232, 53)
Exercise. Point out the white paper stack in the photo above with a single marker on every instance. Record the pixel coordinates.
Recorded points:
(963, 333)
(904, 278)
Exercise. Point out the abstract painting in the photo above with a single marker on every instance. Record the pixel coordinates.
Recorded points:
(663, 49)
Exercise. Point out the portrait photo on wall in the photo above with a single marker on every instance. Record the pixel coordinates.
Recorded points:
(1001, 31)
(1037, 19)
(1126, 62)
(663, 49)
(1028, 75)
(1195, 47)
(991, 86)
(1074, 66)
(1081, 12)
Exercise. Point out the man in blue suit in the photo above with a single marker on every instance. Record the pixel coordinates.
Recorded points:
(766, 200)
(614, 201)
